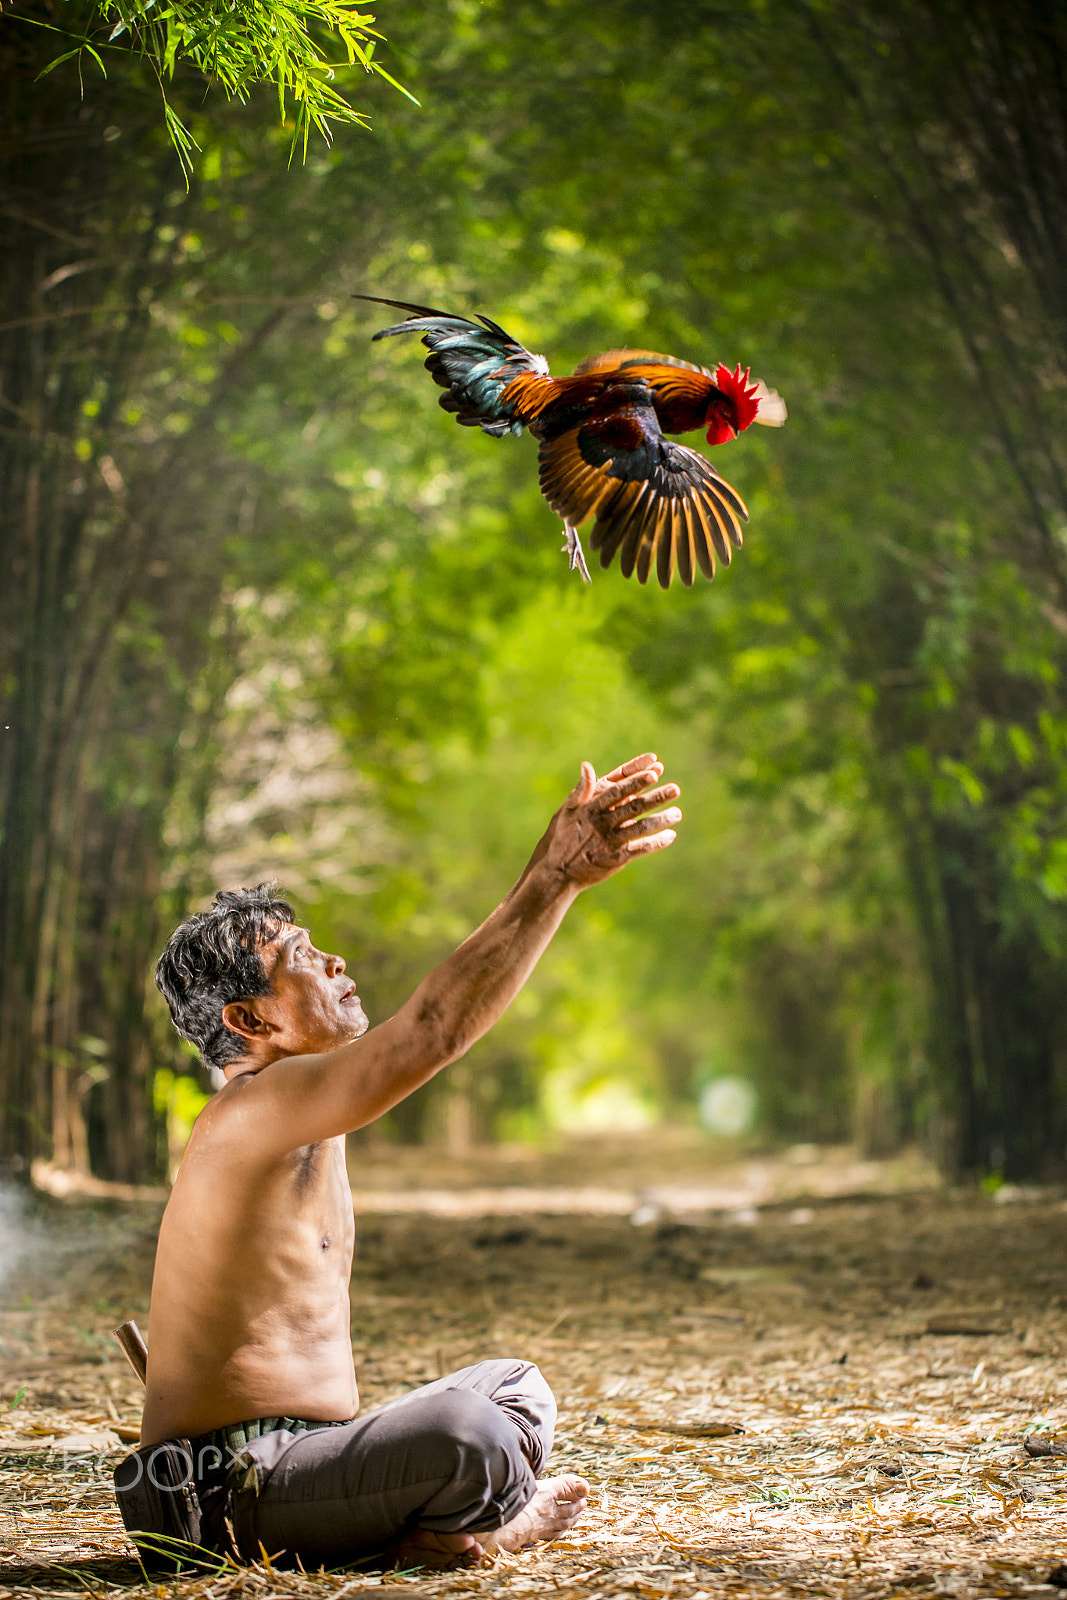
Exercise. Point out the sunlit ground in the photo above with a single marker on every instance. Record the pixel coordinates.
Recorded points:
(885, 1352)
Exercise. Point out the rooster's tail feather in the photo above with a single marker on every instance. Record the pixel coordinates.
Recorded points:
(474, 361)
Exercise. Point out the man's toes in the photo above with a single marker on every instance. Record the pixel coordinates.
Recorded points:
(568, 1498)
(425, 1547)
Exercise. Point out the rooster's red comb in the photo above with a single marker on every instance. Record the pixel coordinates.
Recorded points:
(737, 388)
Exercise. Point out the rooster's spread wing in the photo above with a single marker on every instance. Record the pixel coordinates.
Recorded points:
(613, 360)
(653, 499)
(677, 396)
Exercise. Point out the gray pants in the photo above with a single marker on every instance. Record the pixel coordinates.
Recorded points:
(457, 1456)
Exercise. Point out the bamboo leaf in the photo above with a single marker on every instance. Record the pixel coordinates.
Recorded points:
(58, 62)
(380, 70)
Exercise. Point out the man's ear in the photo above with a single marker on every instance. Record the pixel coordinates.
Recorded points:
(240, 1016)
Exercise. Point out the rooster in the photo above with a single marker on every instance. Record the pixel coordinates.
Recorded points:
(601, 434)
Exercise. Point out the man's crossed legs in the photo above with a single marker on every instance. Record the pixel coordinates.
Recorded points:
(440, 1475)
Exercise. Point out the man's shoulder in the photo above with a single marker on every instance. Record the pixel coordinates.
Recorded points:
(226, 1130)
(240, 1096)
(221, 1132)
(219, 1108)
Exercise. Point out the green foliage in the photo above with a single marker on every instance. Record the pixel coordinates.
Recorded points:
(865, 914)
(178, 1101)
(237, 46)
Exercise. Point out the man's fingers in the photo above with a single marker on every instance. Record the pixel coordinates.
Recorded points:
(609, 797)
(658, 841)
(586, 786)
(644, 802)
(635, 764)
(648, 825)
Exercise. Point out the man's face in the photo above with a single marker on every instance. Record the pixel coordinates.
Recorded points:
(312, 1004)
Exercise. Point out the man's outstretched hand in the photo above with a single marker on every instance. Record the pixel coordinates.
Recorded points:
(604, 822)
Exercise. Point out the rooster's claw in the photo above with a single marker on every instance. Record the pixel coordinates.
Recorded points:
(572, 545)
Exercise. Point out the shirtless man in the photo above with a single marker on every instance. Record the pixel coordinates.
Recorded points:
(250, 1354)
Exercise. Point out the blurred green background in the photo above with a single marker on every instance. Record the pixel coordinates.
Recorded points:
(270, 613)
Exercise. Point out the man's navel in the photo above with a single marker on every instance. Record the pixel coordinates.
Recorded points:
(325, 1241)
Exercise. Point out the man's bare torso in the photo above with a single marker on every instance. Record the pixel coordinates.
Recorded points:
(250, 1307)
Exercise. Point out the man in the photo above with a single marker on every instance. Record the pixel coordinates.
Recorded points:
(249, 1349)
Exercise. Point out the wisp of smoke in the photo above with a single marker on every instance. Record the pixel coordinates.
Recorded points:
(14, 1231)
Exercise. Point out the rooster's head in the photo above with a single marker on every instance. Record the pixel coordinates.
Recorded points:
(733, 406)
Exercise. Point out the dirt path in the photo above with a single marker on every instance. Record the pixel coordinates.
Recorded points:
(877, 1458)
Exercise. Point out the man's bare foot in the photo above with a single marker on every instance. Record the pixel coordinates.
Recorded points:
(553, 1511)
(422, 1547)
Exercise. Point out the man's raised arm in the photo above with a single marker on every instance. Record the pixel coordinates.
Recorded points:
(601, 826)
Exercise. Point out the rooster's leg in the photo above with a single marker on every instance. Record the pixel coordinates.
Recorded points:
(573, 548)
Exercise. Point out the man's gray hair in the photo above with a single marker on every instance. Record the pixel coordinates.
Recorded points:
(212, 960)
